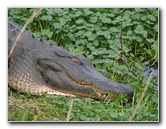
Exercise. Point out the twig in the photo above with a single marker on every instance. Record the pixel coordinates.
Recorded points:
(120, 37)
(35, 14)
(120, 60)
(69, 111)
(141, 98)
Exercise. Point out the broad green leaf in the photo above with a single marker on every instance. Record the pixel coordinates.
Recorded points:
(151, 17)
(97, 14)
(80, 27)
(140, 30)
(70, 35)
(91, 37)
(88, 33)
(107, 36)
(93, 19)
(139, 10)
(129, 32)
(100, 32)
(111, 14)
(151, 40)
(105, 19)
(114, 29)
(87, 11)
(57, 26)
(78, 13)
(58, 10)
(145, 34)
(46, 32)
(47, 17)
(79, 33)
(79, 49)
(144, 18)
(79, 21)
(62, 21)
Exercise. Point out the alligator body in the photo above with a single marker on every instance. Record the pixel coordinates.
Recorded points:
(38, 67)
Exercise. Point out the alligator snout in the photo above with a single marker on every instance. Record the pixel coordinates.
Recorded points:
(105, 85)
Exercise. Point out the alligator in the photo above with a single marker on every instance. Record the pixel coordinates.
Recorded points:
(38, 67)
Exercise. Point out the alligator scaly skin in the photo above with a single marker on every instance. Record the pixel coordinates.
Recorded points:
(23, 76)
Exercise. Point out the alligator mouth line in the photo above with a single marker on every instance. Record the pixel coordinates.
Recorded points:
(100, 94)
(84, 83)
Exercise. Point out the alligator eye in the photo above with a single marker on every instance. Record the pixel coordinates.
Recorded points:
(76, 60)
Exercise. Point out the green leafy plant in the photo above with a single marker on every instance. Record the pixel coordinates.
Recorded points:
(95, 33)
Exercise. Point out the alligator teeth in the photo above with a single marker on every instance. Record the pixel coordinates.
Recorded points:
(104, 96)
(99, 94)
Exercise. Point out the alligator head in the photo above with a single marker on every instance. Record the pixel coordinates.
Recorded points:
(64, 72)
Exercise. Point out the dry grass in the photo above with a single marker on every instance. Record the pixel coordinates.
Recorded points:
(70, 110)
(141, 98)
(35, 14)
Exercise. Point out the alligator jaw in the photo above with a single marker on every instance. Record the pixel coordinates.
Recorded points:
(96, 86)
(96, 95)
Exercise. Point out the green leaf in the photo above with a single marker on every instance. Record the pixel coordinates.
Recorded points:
(88, 33)
(90, 46)
(91, 37)
(57, 26)
(79, 49)
(118, 19)
(145, 34)
(78, 13)
(93, 19)
(139, 10)
(47, 17)
(62, 21)
(87, 11)
(156, 27)
(96, 42)
(107, 36)
(144, 18)
(126, 16)
(71, 36)
(79, 21)
(79, 33)
(100, 32)
(114, 115)
(58, 10)
(25, 115)
(129, 32)
(46, 32)
(80, 27)
(151, 40)
(98, 14)
(105, 19)
(90, 25)
(151, 17)
(139, 29)
(114, 29)
(136, 16)
(139, 39)
(111, 14)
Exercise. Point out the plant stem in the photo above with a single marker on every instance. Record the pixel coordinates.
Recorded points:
(69, 111)
(141, 98)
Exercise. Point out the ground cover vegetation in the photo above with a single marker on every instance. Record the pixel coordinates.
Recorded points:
(120, 42)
